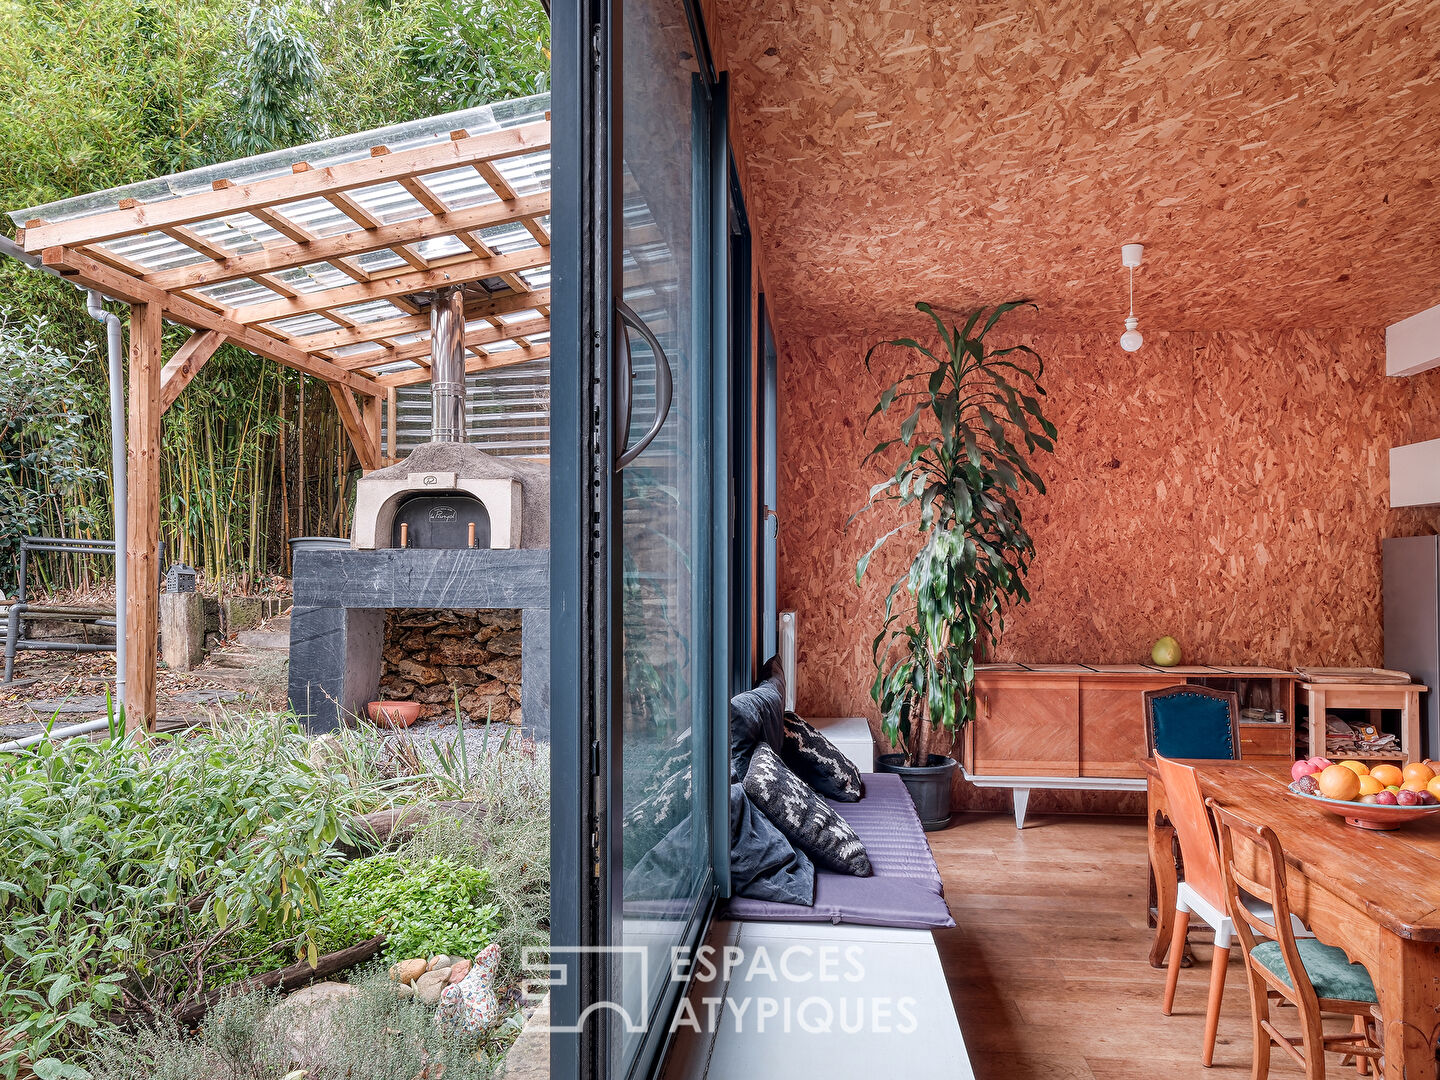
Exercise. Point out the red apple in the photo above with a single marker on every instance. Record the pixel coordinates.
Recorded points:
(1406, 797)
(1302, 768)
(1386, 798)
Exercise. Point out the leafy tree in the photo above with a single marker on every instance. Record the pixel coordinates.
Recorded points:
(43, 466)
(279, 73)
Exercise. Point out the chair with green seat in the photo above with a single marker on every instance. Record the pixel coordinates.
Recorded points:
(1192, 722)
(1314, 977)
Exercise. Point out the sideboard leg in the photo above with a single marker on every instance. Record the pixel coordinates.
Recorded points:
(1021, 796)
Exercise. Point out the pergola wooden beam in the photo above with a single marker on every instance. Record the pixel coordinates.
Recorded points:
(505, 304)
(309, 184)
(483, 362)
(355, 242)
(353, 419)
(389, 285)
(119, 286)
(186, 364)
(416, 350)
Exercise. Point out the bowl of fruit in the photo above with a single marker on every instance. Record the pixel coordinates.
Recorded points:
(1369, 797)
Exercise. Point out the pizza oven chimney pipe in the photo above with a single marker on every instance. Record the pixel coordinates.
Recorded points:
(447, 365)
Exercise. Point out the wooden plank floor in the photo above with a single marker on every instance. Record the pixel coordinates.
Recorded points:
(1047, 964)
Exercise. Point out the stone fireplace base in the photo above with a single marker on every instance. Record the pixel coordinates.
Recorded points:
(337, 626)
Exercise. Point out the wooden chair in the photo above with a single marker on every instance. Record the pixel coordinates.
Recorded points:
(1313, 977)
(1192, 722)
(1202, 893)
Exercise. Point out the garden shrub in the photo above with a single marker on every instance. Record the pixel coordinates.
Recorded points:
(128, 871)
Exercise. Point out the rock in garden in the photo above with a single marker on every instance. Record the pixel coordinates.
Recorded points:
(407, 971)
(459, 970)
(309, 1020)
(429, 985)
(438, 961)
(405, 992)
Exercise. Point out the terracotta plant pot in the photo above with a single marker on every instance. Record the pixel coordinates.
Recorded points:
(394, 714)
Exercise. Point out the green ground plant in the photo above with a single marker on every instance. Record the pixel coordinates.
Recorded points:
(435, 906)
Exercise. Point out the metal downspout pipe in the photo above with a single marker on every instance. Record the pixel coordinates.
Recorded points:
(114, 347)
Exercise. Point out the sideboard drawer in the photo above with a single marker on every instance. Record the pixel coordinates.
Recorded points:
(1260, 741)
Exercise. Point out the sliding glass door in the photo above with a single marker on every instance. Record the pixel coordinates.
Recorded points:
(639, 555)
(661, 641)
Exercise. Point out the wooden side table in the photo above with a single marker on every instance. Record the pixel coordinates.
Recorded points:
(1373, 696)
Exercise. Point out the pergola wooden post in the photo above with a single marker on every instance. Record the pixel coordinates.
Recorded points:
(142, 542)
(251, 261)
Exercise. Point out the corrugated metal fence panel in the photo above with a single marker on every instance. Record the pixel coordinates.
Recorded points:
(507, 411)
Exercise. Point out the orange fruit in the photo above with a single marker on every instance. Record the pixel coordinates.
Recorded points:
(1434, 787)
(1414, 785)
(1339, 782)
(1416, 771)
(1387, 775)
(1356, 767)
(1369, 785)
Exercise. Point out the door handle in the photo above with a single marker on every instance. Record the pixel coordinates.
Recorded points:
(624, 391)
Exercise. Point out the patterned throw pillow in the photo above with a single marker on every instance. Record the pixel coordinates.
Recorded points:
(817, 761)
(803, 816)
(648, 821)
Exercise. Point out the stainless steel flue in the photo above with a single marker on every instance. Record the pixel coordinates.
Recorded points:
(447, 365)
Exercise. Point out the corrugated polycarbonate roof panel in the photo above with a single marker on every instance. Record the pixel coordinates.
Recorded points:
(266, 238)
(318, 155)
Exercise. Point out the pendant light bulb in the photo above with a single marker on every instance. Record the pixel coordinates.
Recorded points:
(1131, 340)
(1130, 256)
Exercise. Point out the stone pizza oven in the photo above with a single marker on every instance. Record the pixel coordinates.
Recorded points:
(444, 593)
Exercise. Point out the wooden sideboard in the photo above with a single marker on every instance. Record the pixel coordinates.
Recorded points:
(1079, 726)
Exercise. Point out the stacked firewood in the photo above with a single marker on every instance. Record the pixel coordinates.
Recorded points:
(439, 658)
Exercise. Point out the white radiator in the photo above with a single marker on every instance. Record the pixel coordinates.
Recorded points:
(786, 639)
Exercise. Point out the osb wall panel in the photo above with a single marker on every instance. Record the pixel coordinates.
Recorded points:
(1230, 489)
(1277, 159)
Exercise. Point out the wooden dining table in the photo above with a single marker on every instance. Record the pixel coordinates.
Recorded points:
(1374, 894)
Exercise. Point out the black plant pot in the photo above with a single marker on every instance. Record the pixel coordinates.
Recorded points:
(929, 786)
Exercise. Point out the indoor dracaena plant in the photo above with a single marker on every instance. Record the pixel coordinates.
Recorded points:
(972, 422)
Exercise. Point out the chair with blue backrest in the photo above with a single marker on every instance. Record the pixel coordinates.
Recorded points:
(1192, 722)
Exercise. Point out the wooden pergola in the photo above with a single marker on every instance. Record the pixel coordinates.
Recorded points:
(324, 259)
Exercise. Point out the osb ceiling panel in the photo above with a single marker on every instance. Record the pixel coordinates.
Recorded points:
(1278, 160)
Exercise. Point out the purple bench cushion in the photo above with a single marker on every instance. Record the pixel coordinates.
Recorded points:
(905, 890)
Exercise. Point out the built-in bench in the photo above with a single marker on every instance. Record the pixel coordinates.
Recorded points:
(851, 987)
